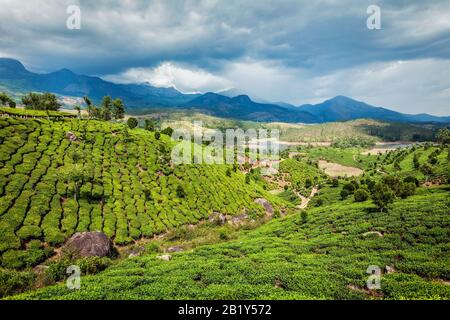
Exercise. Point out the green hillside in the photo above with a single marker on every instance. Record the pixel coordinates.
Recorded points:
(109, 179)
(59, 176)
(372, 130)
(323, 255)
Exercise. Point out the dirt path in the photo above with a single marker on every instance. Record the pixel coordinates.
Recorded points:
(305, 200)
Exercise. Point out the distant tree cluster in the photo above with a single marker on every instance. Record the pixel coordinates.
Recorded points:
(383, 192)
(443, 136)
(41, 101)
(349, 142)
(108, 110)
(6, 100)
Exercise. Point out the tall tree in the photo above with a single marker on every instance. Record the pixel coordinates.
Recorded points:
(150, 124)
(4, 99)
(118, 108)
(46, 101)
(78, 108)
(382, 196)
(88, 103)
(106, 107)
(443, 136)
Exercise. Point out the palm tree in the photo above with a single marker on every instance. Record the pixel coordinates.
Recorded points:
(88, 103)
(78, 108)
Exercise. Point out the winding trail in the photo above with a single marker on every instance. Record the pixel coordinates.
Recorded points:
(305, 200)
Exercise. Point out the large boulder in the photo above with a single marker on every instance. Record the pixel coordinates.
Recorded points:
(88, 244)
(71, 136)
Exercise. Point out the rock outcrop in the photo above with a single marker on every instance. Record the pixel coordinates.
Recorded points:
(88, 244)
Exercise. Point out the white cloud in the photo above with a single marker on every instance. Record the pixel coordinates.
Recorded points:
(408, 86)
(169, 74)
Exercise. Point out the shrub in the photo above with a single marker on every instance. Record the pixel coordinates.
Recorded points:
(132, 123)
(361, 195)
(344, 194)
(180, 192)
(382, 196)
(335, 183)
(406, 189)
(304, 216)
(349, 187)
(412, 180)
(167, 131)
(14, 282)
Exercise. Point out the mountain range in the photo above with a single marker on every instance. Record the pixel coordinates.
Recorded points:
(14, 77)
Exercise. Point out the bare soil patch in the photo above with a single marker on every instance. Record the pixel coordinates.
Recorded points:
(337, 170)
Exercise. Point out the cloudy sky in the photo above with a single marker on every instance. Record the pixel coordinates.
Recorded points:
(292, 51)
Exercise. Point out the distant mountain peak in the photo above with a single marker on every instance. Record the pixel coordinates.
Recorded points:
(12, 65)
(65, 71)
(243, 98)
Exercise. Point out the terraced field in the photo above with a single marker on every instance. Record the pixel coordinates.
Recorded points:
(324, 255)
(61, 176)
(106, 178)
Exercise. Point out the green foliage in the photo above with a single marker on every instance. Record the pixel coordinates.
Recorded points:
(5, 99)
(118, 108)
(301, 174)
(361, 195)
(45, 101)
(354, 141)
(319, 254)
(150, 124)
(14, 282)
(167, 131)
(443, 136)
(132, 123)
(51, 187)
(382, 196)
(107, 104)
(35, 113)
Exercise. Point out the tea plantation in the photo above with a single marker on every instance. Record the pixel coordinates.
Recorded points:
(322, 255)
(62, 177)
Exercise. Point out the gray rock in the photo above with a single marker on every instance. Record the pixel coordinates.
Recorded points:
(239, 219)
(175, 249)
(71, 136)
(266, 204)
(88, 244)
(389, 269)
(218, 217)
(165, 257)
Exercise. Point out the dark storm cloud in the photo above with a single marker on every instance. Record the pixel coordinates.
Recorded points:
(116, 35)
(308, 39)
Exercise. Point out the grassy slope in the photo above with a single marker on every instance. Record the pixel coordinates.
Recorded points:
(37, 202)
(289, 258)
(407, 166)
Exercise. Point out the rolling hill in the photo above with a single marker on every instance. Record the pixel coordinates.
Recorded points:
(242, 107)
(342, 108)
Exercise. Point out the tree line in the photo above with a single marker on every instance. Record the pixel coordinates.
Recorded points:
(108, 110)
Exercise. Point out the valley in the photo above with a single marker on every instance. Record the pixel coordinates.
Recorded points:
(308, 231)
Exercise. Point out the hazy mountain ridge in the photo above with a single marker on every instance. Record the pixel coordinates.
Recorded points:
(14, 76)
(65, 82)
